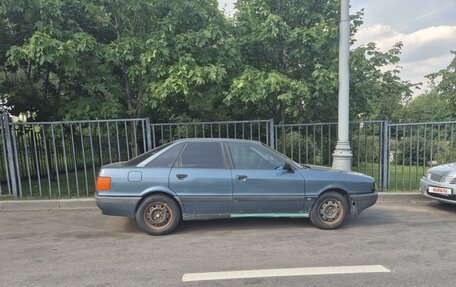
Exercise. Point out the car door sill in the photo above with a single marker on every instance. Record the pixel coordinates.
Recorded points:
(243, 215)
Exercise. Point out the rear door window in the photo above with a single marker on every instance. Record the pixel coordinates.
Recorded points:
(202, 155)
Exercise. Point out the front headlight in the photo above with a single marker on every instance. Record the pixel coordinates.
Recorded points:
(450, 179)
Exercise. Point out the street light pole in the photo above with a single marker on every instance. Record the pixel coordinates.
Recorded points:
(342, 156)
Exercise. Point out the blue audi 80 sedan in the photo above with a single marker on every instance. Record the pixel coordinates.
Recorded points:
(223, 178)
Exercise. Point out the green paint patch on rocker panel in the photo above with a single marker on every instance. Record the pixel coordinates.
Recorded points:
(240, 215)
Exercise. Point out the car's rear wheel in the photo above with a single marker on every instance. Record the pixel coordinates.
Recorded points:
(329, 210)
(158, 215)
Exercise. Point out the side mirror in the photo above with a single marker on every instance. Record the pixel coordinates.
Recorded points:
(288, 168)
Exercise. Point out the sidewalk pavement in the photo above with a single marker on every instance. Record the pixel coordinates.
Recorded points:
(89, 203)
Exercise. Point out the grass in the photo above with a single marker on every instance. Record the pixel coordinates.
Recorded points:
(402, 178)
(50, 188)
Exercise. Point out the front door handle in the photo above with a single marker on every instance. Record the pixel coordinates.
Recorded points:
(181, 176)
(241, 177)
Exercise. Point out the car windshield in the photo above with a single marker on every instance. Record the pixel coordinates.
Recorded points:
(142, 157)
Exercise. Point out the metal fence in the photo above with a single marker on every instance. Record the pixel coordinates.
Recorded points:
(415, 147)
(260, 130)
(61, 159)
(396, 155)
(315, 144)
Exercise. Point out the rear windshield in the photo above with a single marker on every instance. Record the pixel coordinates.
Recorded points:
(142, 157)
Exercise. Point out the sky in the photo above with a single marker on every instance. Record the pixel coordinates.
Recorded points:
(426, 28)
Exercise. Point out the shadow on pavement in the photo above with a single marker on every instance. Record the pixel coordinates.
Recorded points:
(374, 216)
(238, 224)
(446, 207)
(130, 226)
(377, 217)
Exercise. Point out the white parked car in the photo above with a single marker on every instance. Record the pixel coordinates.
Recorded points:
(439, 183)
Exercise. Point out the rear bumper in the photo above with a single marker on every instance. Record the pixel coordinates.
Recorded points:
(359, 202)
(117, 206)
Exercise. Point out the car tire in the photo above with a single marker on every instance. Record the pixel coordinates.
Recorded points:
(329, 211)
(158, 215)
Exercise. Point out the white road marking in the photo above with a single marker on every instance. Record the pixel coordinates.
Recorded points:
(264, 273)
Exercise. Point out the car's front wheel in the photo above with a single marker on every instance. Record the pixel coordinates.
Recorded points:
(158, 215)
(329, 211)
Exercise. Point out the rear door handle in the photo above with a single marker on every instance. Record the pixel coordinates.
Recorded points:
(241, 177)
(181, 176)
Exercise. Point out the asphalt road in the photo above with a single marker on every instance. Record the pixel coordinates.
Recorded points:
(415, 240)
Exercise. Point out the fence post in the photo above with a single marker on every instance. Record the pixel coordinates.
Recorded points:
(148, 136)
(154, 145)
(385, 160)
(16, 160)
(271, 134)
(9, 152)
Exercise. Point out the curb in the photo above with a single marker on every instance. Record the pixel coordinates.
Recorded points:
(401, 197)
(51, 204)
(89, 203)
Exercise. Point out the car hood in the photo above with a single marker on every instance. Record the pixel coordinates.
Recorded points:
(444, 169)
(333, 170)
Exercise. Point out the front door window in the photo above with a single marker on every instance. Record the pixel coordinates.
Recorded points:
(247, 156)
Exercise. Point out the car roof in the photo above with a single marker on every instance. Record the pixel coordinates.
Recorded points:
(216, 140)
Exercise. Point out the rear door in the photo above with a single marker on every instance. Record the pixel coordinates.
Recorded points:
(201, 179)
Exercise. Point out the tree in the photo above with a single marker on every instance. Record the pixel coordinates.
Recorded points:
(376, 91)
(50, 58)
(92, 59)
(283, 46)
(172, 52)
(425, 108)
(446, 86)
(184, 60)
(290, 51)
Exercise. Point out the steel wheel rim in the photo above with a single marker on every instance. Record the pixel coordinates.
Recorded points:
(331, 210)
(158, 215)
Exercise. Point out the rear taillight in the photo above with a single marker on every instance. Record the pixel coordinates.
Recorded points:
(103, 183)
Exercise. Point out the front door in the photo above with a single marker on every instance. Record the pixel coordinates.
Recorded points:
(201, 179)
(260, 184)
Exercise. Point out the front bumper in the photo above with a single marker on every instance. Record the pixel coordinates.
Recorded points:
(359, 202)
(117, 206)
(424, 188)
